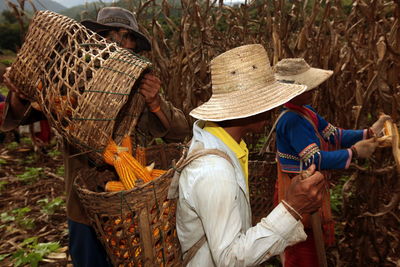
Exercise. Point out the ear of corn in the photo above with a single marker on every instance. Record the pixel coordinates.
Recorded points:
(108, 157)
(128, 168)
(138, 169)
(114, 186)
(157, 173)
(126, 142)
(125, 172)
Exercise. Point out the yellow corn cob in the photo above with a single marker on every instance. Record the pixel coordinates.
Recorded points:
(157, 173)
(110, 152)
(125, 172)
(114, 186)
(126, 142)
(139, 170)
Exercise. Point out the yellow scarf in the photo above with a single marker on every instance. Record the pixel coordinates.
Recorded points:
(240, 150)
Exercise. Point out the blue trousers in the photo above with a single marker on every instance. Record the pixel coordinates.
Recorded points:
(85, 249)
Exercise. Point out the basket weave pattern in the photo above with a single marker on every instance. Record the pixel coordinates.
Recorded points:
(81, 82)
(262, 178)
(136, 227)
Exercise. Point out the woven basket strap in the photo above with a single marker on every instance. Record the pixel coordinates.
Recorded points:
(193, 250)
(268, 139)
(192, 156)
(200, 153)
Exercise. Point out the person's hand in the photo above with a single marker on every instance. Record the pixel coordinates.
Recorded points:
(149, 87)
(365, 148)
(377, 127)
(10, 85)
(306, 190)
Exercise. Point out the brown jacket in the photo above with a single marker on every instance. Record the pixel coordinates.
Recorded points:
(149, 127)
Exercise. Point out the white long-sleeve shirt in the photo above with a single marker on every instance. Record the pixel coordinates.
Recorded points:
(214, 201)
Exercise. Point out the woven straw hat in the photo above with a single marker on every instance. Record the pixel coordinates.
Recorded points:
(296, 70)
(244, 85)
(110, 18)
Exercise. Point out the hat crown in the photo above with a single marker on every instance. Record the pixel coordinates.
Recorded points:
(112, 15)
(291, 66)
(240, 69)
(243, 85)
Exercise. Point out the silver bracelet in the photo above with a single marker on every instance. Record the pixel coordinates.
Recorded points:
(292, 209)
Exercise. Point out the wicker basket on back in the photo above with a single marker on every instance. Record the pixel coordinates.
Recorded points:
(262, 178)
(83, 84)
(137, 227)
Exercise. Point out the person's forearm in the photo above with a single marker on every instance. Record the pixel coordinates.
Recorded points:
(163, 119)
(17, 105)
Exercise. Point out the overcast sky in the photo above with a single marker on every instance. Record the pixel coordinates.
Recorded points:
(70, 3)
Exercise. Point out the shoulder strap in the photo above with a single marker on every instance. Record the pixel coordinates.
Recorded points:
(173, 191)
(193, 250)
(268, 139)
(200, 153)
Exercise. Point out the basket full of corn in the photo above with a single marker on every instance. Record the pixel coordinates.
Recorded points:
(84, 85)
(128, 206)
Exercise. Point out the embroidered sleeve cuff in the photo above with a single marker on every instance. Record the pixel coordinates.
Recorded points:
(365, 134)
(285, 224)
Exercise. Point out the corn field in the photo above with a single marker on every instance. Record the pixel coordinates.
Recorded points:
(359, 40)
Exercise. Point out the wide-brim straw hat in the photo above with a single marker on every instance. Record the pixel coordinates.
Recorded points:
(243, 85)
(296, 70)
(111, 18)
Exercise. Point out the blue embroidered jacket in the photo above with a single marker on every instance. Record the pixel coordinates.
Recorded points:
(299, 144)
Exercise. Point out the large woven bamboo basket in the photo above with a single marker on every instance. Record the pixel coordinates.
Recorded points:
(262, 178)
(83, 84)
(137, 226)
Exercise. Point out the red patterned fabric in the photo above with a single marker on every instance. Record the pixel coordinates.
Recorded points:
(302, 254)
(45, 132)
(2, 104)
(305, 111)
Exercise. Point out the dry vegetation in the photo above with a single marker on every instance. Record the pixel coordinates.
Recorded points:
(359, 40)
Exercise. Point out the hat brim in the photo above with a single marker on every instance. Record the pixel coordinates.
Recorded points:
(246, 103)
(312, 77)
(142, 42)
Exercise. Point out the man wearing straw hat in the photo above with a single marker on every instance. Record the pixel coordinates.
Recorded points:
(213, 214)
(304, 138)
(160, 119)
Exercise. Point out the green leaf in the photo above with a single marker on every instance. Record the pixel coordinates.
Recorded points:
(4, 217)
(49, 207)
(12, 146)
(60, 171)
(29, 241)
(26, 140)
(30, 175)
(3, 256)
(3, 185)
(54, 153)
